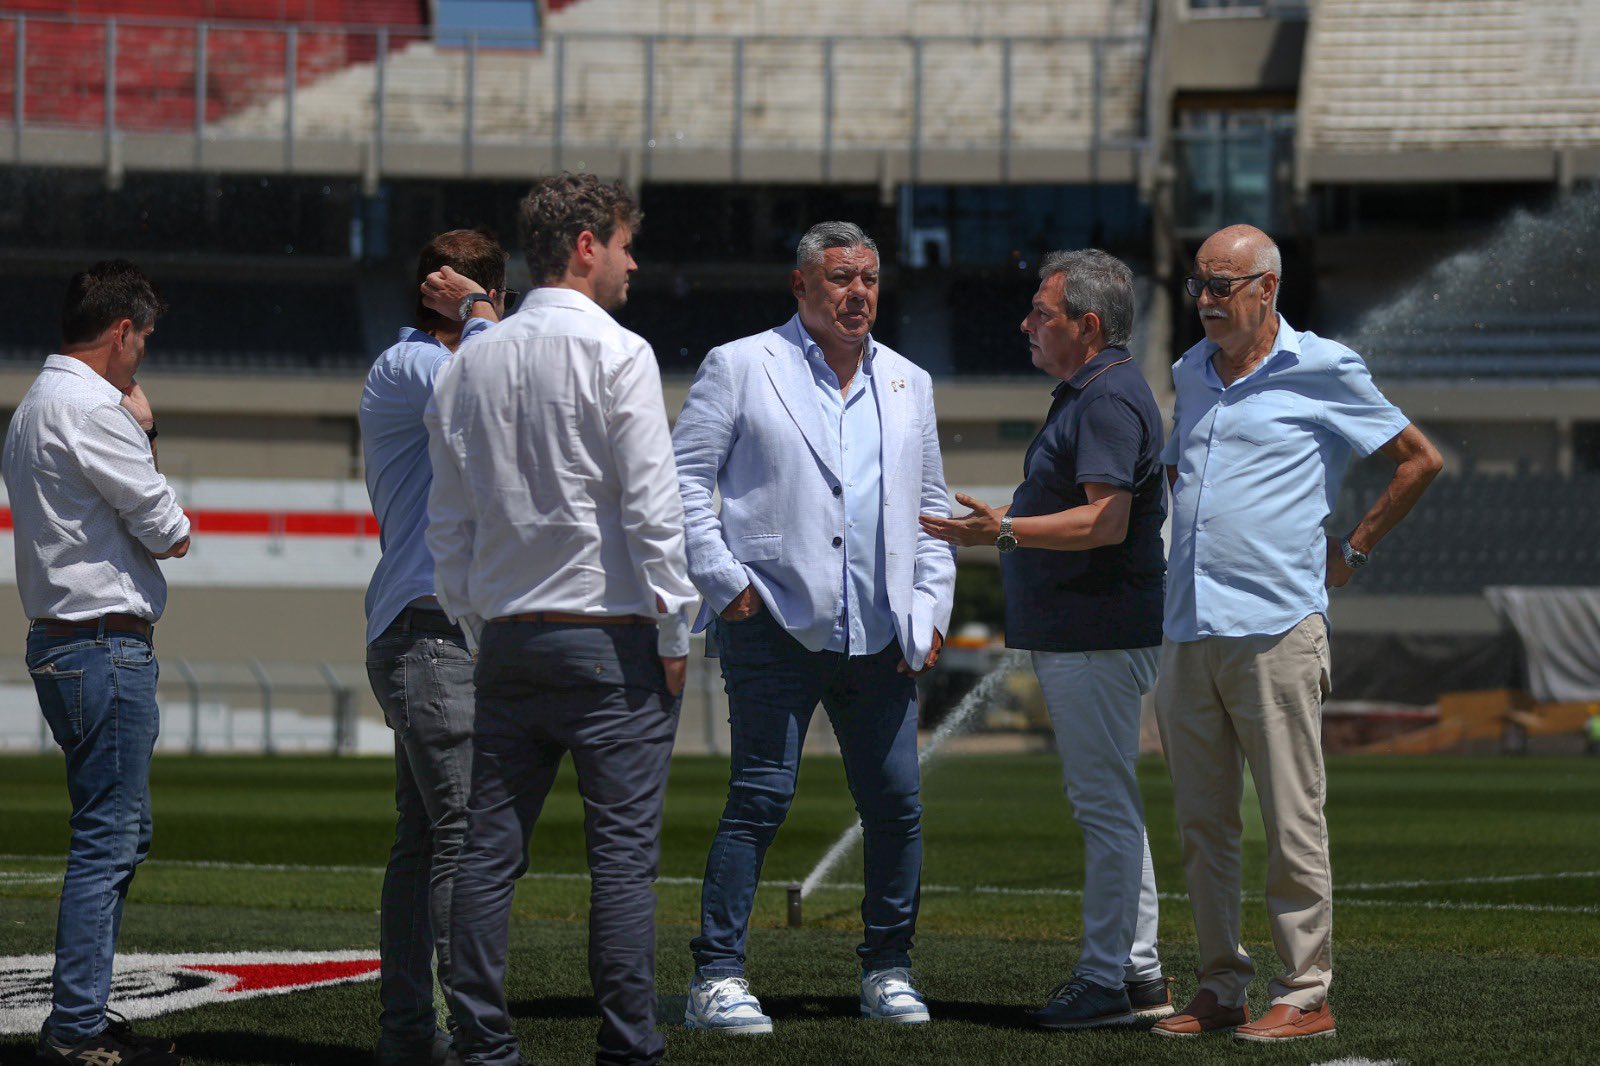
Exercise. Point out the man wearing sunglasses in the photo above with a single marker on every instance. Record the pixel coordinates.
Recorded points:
(1264, 422)
(417, 659)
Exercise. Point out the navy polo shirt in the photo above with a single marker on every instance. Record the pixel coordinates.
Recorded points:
(1103, 427)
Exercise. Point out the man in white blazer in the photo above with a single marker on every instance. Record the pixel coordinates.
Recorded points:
(819, 586)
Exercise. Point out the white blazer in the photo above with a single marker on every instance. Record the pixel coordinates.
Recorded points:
(752, 427)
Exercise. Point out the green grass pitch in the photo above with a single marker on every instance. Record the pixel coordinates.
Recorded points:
(1467, 924)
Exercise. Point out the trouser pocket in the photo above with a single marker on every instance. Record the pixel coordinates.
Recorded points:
(61, 699)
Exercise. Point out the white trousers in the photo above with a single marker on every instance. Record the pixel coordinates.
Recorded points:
(1094, 698)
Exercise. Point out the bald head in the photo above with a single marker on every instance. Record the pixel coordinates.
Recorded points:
(1240, 315)
(1245, 244)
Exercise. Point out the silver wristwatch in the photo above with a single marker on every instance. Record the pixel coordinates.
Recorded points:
(1006, 542)
(1355, 560)
(465, 310)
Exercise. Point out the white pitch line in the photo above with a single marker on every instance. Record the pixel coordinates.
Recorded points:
(1502, 879)
(29, 877)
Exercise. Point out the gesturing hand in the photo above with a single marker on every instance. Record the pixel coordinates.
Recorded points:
(981, 525)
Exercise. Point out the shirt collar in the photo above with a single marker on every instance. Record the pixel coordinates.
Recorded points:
(1098, 364)
(559, 296)
(813, 350)
(1287, 341)
(413, 335)
(78, 368)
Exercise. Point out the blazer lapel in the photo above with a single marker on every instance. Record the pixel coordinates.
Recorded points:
(889, 386)
(792, 381)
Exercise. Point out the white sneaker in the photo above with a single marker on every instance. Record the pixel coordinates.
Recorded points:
(887, 996)
(726, 1005)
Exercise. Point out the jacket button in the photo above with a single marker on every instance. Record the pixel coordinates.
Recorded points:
(837, 541)
(837, 491)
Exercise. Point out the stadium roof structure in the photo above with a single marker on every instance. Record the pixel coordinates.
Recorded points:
(1450, 90)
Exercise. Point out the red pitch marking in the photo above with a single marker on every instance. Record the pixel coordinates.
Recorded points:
(260, 976)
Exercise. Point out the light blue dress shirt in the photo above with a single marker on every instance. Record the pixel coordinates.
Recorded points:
(1259, 468)
(865, 624)
(394, 442)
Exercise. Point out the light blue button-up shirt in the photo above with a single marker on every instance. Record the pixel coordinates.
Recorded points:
(865, 625)
(1259, 468)
(394, 442)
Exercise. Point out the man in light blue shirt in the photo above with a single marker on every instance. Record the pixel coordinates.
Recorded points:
(854, 432)
(417, 659)
(1265, 421)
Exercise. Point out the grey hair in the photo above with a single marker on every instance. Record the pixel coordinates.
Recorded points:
(825, 235)
(1095, 281)
(1269, 259)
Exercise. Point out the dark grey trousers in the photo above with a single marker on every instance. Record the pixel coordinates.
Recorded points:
(544, 690)
(421, 673)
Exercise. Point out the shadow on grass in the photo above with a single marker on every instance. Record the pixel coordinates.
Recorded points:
(233, 1046)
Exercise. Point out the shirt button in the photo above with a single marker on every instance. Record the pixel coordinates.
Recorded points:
(837, 541)
(837, 491)
(1205, 484)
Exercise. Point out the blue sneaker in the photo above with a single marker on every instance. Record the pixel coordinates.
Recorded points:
(887, 996)
(725, 1005)
(1082, 1004)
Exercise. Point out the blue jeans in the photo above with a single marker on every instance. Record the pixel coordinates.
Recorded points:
(421, 673)
(97, 690)
(774, 685)
(599, 692)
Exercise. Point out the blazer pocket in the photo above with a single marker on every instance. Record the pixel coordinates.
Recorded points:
(757, 546)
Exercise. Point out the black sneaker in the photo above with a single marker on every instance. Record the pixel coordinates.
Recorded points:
(1151, 1000)
(428, 1051)
(1081, 1004)
(116, 1045)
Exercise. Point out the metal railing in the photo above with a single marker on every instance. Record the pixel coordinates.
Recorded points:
(324, 98)
(246, 706)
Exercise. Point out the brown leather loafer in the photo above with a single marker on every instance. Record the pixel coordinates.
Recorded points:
(1288, 1022)
(1203, 1015)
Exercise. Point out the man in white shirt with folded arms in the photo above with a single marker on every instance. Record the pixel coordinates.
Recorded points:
(556, 530)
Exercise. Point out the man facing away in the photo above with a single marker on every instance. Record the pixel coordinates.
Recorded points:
(1264, 422)
(1084, 576)
(417, 659)
(819, 586)
(557, 537)
(92, 515)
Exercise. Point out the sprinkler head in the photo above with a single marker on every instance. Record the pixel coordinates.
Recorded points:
(794, 906)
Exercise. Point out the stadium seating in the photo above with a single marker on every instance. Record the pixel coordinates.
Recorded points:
(1448, 75)
(157, 46)
(1475, 530)
(605, 78)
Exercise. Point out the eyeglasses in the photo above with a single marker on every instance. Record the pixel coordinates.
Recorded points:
(511, 298)
(1219, 286)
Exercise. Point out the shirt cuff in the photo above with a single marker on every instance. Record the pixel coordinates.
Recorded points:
(672, 640)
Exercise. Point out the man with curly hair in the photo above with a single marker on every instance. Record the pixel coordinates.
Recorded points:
(557, 536)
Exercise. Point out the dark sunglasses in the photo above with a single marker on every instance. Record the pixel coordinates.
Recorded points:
(1219, 286)
(511, 298)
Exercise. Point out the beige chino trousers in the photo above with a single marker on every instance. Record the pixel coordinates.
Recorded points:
(1222, 702)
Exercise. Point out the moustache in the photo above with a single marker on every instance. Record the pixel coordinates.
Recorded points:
(1213, 313)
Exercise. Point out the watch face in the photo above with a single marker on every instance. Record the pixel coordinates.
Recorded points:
(1005, 543)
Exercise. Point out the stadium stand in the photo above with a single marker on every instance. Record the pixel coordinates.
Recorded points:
(1452, 87)
(158, 50)
(1477, 530)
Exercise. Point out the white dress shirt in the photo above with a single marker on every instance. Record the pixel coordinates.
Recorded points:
(87, 502)
(554, 486)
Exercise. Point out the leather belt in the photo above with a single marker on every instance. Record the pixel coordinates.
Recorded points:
(568, 619)
(114, 623)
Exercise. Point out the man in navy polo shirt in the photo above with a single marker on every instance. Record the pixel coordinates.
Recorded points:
(1085, 577)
